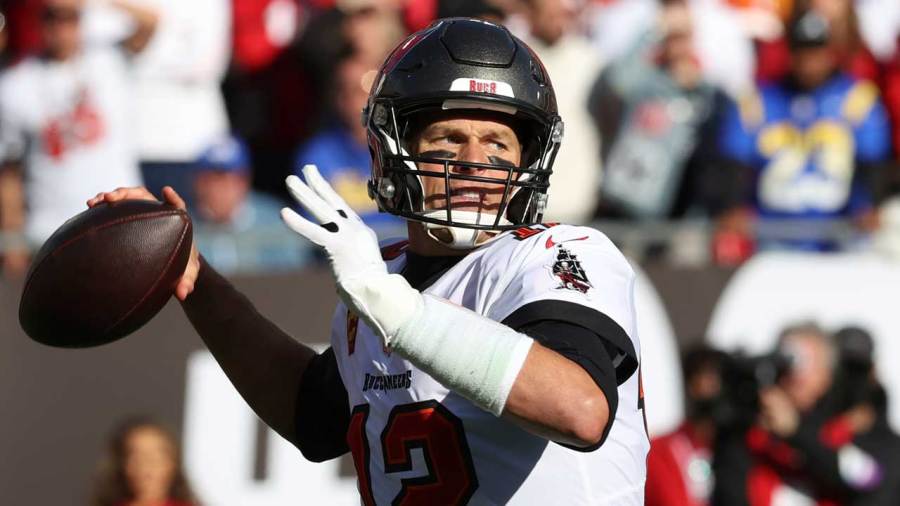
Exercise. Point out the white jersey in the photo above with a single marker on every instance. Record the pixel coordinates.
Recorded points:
(69, 123)
(413, 438)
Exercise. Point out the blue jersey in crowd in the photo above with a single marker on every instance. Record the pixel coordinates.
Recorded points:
(805, 146)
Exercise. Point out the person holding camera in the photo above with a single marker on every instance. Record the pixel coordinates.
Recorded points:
(821, 435)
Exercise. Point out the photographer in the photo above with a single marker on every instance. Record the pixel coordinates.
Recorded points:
(821, 434)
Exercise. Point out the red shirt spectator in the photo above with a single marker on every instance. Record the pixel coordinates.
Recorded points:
(678, 469)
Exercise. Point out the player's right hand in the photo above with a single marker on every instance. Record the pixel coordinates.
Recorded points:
(189, 277)
(384, 301)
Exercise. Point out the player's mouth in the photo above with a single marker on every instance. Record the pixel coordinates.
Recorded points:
(466, 196)
(468, 199)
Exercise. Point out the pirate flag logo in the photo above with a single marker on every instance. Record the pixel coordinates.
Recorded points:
(568, 269)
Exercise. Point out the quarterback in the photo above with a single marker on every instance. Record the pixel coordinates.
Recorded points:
(489, 359)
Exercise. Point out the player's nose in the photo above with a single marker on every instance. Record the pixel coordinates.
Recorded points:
(471, 152)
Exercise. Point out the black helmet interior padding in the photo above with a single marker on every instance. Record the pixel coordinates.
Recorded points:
(466, 64)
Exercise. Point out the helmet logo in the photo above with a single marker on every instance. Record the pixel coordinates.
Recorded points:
(487, 86)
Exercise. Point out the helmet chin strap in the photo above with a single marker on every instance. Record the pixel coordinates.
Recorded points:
(459, 237)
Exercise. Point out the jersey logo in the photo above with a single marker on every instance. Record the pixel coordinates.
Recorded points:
(523, 233)
(570, 273)
(352, 326)
(550, 243)
(385, 382)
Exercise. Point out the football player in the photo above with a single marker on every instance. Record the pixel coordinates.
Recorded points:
(489, 359)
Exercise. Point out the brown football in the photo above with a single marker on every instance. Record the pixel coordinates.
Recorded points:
(105, 273)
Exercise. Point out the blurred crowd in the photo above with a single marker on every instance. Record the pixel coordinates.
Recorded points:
(774, 122)
(805, 424)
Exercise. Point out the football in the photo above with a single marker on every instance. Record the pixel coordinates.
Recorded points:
(104, 273)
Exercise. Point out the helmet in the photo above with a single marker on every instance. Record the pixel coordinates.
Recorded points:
(466, 64)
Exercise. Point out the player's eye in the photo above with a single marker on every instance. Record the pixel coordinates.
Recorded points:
(453, 139)
(496, 144)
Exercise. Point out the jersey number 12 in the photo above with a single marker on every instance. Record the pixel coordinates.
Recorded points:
(426, 425)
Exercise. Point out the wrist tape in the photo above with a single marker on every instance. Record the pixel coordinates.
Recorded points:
(470, 354)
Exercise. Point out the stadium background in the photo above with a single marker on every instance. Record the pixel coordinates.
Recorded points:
(699, 284)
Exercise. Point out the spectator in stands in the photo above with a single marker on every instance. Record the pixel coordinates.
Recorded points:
(237, 228)
(679, 468)
(65, 125)
(554, 34)
(814, 443)
(340, 150)
(371, 27)
(272, 89)
(866, 41)
(807, 146)
(656, 113)
(719, 41)
(179, 105)
(142, 467)
(863, 34)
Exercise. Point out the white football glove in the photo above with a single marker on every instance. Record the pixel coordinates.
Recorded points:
(384, 301)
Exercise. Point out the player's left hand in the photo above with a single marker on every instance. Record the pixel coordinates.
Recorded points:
(384, 301)
(186, 283)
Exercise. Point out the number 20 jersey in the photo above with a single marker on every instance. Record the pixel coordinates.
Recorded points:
(416, 442)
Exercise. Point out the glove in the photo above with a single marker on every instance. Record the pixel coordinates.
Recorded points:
(384, 301)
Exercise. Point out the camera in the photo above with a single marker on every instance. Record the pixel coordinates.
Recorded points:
(853, 383)
(743, 377)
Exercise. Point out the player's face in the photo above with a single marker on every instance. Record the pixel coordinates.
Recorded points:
(471, 139)
(149, 463)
